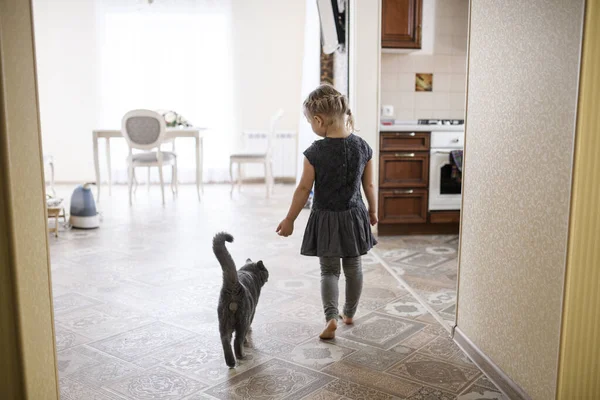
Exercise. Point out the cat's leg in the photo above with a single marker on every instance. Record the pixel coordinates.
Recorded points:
(354, 284)
(240, 336)
(226, 342)
(249, 330)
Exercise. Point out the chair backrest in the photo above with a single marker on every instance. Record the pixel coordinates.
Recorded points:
(272, 124)
(143, 129)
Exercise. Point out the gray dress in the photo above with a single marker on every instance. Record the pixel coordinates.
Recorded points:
(338, 225)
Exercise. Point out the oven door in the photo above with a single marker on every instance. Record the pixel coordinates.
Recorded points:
(444, 191)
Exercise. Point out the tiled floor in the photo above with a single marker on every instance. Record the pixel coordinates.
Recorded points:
(428, 265)
(135, 312)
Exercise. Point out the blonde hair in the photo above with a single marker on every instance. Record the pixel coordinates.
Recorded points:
(326, 100)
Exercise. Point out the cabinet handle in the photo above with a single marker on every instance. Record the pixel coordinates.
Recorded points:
(404, 155)
(405, 134)
(409, 191)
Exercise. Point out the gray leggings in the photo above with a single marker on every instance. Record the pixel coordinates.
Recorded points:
(330, 275)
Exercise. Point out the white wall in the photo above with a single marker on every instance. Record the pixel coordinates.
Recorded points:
(365, 51)
(268, 41)
(268, 49)
(65, 52)
(443, 53)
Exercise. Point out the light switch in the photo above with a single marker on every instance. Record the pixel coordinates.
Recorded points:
(387, 111)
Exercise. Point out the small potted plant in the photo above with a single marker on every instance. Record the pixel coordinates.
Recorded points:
(173, 119)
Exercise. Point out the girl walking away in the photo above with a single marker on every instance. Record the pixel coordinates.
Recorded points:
(338, 227)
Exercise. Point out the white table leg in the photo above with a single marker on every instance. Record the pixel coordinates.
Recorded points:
(202, 164)
(109, 168)
(198, 166)
(52, 178)
(96, 165)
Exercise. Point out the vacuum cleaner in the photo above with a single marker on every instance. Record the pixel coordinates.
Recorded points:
(83, 208)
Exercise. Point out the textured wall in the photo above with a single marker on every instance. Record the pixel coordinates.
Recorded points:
(522, 94)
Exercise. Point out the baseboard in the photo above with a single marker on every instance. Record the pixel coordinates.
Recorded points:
(493, 372)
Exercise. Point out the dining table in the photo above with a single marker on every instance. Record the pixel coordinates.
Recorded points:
(172, 133)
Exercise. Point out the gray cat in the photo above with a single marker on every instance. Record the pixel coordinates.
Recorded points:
(238, 299)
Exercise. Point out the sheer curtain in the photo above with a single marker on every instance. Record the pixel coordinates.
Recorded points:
(173, 55)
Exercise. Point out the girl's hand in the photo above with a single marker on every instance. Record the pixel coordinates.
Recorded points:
(373, 217)
(285, 228)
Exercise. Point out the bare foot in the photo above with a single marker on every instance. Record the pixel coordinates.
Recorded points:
(347, 320)
(329, 331)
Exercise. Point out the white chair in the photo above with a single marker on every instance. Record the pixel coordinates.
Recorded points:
(49, 161)
(249, 157)
(145, 130)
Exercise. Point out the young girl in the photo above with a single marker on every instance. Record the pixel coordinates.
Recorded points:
(338, 227)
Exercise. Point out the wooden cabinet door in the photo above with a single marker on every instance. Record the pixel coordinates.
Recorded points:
(403, 206)
(401, 24)
(445, 217)
(404, 141)
(404, 170)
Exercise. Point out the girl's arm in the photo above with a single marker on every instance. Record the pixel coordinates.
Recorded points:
(369, 187)
(286, 227)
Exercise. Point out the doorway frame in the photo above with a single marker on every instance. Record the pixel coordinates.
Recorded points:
(27, 334)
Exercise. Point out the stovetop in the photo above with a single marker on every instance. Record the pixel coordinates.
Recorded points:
(441, 122)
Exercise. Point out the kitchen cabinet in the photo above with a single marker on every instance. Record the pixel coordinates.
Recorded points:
(404, 161)
(408, 206)
(404, 170)
(401, 22)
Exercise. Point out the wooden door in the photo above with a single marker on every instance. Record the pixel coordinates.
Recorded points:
(401, 24)
(408, 206)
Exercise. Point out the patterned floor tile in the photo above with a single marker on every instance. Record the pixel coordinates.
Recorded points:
(380, 330)
(389, 384)
(485, 382)
(97, 325)
(405, 308)
(157, 383)
(274, 379)
(433, 372)
(303, 311)
(481, 393)
(197, 321)
(379, 360)
(102, 374)
(136, 343)
(323, 395)
(70, 361)
(419, 339)
(318, 354)
(287, 331)
(73, 390)
(427, 393)
(350, 390)
(65, 338)
(270, 298)
(72, 301)
(441, 347)
(199, 396)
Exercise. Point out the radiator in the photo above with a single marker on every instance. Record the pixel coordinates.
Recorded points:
(284, 153)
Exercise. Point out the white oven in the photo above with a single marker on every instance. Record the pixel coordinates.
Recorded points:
(444, 191)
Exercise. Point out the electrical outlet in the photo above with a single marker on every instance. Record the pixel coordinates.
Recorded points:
(387, 111)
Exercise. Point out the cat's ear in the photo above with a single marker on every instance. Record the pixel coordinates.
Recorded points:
(260, 265)
(248, 261)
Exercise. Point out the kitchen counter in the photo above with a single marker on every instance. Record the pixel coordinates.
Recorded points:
(421, 128)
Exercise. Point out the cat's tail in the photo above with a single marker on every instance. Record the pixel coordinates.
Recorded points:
(229, 270)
